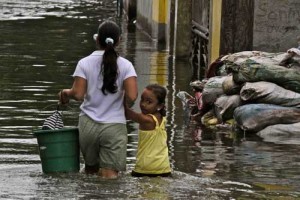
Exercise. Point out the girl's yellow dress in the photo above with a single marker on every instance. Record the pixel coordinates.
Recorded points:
(152, 154)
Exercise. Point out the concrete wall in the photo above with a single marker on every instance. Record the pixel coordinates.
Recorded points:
(262, 25)
(152, 16)
(276, 25)
(183, 29)
(165, 21)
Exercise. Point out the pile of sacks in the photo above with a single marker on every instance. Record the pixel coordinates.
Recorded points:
(258, 91)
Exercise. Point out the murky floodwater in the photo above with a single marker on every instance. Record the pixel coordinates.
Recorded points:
(41, 42)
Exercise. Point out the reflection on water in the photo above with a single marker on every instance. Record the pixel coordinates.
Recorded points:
(32, 9)
(41, 42)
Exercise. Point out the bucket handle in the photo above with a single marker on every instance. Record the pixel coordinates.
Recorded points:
(58, 108)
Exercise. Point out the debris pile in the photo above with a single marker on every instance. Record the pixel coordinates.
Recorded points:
(258, 92)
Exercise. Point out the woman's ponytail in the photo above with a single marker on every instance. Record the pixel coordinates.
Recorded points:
(108, 37)
(109, 68)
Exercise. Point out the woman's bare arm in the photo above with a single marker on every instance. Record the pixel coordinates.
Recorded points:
(131, 90)
(77, 91)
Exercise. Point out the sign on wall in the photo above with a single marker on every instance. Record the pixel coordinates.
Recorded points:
(276, 25)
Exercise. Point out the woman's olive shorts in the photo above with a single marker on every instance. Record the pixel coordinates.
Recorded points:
(103, 144)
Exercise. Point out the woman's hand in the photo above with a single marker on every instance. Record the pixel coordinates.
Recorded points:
(77, 92)
(63, 97)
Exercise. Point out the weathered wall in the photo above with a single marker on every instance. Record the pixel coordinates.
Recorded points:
(276, 25)
(237, 26)
(244, 25)
(263, 25)
(152, 16)
(183, 29)
(200, 12)
(165, 21)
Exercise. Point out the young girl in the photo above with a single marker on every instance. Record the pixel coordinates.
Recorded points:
(152, 154)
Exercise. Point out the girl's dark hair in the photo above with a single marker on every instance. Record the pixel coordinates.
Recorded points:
(160, 93)
(108, 36)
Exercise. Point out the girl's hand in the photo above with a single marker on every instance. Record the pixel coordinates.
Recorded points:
(63, 97)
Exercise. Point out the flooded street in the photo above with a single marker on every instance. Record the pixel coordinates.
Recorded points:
(41, 43)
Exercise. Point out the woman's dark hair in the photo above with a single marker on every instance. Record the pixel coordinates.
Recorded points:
(108, 36)
(160, 93)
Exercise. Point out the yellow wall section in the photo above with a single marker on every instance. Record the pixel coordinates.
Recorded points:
(159, 11)
(216, 29)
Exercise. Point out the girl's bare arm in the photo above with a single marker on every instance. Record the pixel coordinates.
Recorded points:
(146, 122)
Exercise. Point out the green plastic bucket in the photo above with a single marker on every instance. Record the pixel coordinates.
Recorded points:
(59, 149)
